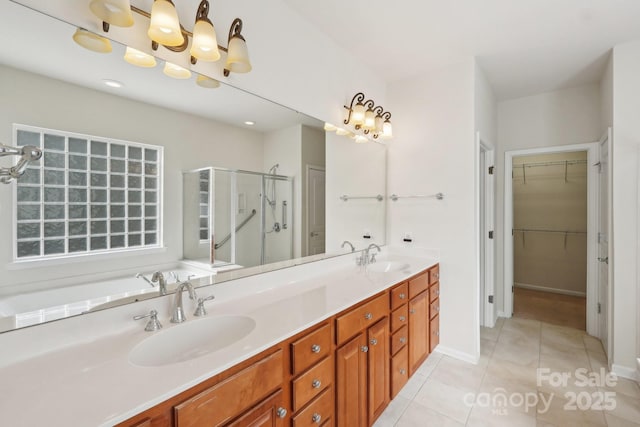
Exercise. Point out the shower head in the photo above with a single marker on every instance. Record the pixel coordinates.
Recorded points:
(274, 168)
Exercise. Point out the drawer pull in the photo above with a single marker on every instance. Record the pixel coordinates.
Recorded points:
(364, 349)
(412, 311)
(402, 296)
(438, 308)
(281, 412)
(402, 318)
(403, 371)
(368, 316)
(437, 333)
(436, 275)
(316, 418)
(315, 348)
(374, 341)
(437, 291)
(403, 340)
(316, 384)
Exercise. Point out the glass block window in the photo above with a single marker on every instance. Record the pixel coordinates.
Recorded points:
(85, 195)
(204, 206)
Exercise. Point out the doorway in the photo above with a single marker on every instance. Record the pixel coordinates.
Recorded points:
(550, 235)
(315, 210)
(486, 230)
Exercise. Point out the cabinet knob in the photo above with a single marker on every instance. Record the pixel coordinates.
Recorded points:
(438, 308)
(437, 291)
(403, 371)
(436, 275)
(281, 412)
(364, 348)
(437, 333)
(412, 311)
(402, 296)
(316, 418)
(368, 316)
(316, 384)
(315, 348)
(402, 318)
(374, 341)
(403, 340)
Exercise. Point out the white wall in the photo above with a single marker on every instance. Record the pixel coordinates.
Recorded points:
(40, 101)
(433, 151)
(626, 145)
(569, 116)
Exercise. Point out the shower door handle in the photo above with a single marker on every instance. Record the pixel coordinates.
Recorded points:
(605, 259)
(284, 214)
(313, 234)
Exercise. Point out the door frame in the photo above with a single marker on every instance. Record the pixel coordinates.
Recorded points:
(308, 168)
(485, 222)
(593, 155)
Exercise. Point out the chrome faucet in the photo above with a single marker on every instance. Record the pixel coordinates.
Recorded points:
(158, 278)
(370, 259)
(346, 242)
(177, 312)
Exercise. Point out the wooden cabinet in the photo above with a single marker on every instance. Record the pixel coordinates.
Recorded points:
(351, 383)
(434, 310)
(264, 414)
(418, 330)
(399, 371)
(378, 369)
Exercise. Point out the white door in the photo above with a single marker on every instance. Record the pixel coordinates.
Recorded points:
(315, 211)
(487, 231)
(603, 241)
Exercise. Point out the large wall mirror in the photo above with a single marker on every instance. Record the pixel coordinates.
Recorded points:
(245, 185)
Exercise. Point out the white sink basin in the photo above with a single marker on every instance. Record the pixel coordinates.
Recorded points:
(190, 340)
(387, 266)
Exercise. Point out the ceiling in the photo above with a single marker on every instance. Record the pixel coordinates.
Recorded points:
(524, 46)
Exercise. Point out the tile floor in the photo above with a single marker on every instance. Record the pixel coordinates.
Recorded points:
(511, 354)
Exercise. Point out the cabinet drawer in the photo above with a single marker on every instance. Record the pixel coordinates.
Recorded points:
(399, 295)
(434, 327)
(434, 308)
(434, 274)
(399, 371)
(310, 349)
(311, 383)
(362, 317)
(399, 339)
(434, 291)
(231, 397)
(320, 410)
(418, 284)
(399, 318)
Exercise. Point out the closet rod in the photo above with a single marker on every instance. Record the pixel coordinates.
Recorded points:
(532, 230)
(555, 163)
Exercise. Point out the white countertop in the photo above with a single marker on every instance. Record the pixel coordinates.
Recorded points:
(76, 372)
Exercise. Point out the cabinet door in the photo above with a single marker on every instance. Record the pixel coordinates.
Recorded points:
(351, 383)
(418, 330)
(378, 372)
(267, 413)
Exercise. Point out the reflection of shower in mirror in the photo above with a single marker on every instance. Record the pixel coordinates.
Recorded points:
(270, 196)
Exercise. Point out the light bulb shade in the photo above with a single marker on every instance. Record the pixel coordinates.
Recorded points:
(207, 82)
(357, 115)
(92, 41)
(138, 58)
(379, 127)
(115, 12)
(176, 71)
(387, 130)
(165, 25)
(369, 120)
(205, 44)
(360, 139)
(328, 127)
(342, 132)
(238, 55)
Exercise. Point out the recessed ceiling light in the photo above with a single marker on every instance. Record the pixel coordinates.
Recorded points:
(249, 123)
(112, 83)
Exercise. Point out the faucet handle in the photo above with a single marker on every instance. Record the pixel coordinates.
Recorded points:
(373, 258)
(200, 310)
(153, 324)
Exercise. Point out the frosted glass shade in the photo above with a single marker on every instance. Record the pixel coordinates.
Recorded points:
(342, 132)
(165, 25)
(238, 56)
(369, 120)
(115, 12)
(357, 115)
(138, 58)
(207, 82)
(176, 71)
(387, 130)
(379, 128)
(92, 41)
(360, 139)
(205, 44)
(328, 127)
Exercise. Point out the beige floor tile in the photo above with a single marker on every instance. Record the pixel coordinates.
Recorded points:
(624, 386)
(525, 375)
(528, 326)
(561, 414)
(627, 408)
(500, 393)
(518, 351)
(458, 373)
(422, 416)
(429, 365)
(593, 344)
(412, 387)
(488, 417)
(578, 356)
(613, 421)
(490, 334)
(393, 412)
(445, 399)
(597, 361)
(563, 337)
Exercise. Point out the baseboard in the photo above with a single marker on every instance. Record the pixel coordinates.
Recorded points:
(625, 372)
(456, 354)
(552, 290)
(502, 314)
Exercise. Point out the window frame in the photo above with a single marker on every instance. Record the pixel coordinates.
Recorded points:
(89, 254)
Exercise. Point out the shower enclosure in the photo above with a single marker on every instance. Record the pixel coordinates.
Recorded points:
(240, 218)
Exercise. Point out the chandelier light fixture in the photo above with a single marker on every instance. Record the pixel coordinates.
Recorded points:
(365, 121)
